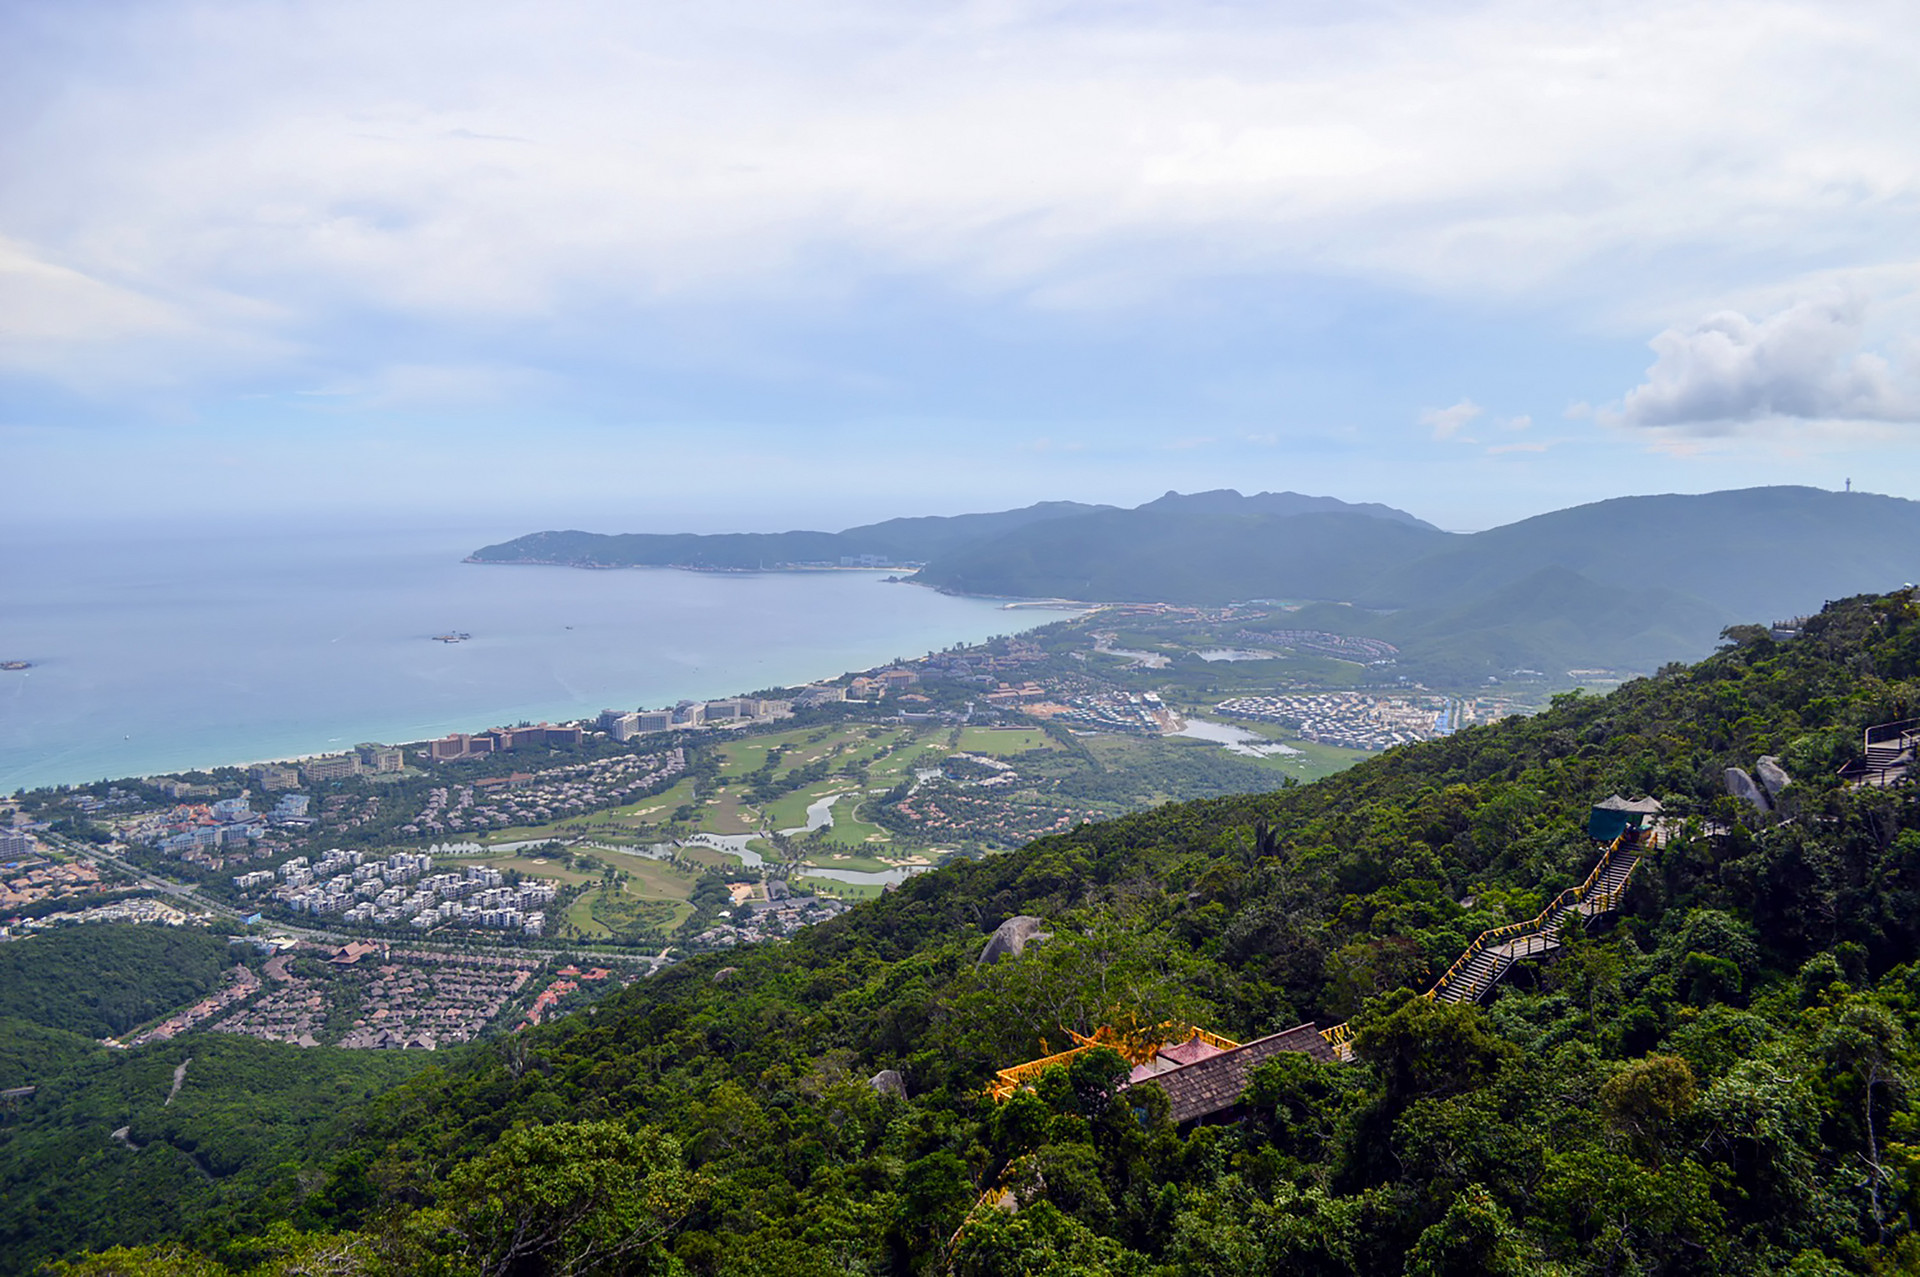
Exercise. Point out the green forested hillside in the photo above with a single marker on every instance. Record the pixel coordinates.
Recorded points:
(103, 980)
(895, 539)
(227, 1148)
(913, 539)
(1718, 1079)
(1736, 550)
(1185, 556)
(1630, 583)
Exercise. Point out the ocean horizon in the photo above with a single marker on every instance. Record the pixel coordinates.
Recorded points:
(171, 648)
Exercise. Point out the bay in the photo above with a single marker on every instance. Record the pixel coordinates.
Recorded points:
(164, 649)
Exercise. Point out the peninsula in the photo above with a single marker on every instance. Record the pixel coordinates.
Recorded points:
(1630, 583)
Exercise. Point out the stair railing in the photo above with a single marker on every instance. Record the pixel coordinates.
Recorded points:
(1534, 929)
(1902, 733)
(1560, 904)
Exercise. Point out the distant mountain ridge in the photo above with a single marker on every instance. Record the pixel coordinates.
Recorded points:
(1280, 504)
(1629, 583)
(906, 540)
(1177, 555)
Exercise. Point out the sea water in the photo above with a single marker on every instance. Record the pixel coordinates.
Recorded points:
(158, 650)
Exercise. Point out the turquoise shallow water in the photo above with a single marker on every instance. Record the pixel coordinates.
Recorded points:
(159, 650)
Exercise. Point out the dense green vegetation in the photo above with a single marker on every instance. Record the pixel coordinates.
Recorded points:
(101, 981)
(1186, 557)
(1718, 1079)
(229, 1145)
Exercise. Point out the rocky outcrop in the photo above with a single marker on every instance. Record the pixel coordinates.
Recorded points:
(1011, 938)
(1770, 773)
(889, 1082)
(1741, 786)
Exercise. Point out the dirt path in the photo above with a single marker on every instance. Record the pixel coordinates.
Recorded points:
(179, 1076)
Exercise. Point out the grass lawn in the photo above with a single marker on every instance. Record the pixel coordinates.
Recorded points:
(999, 741)
(850, 831)
(654, 881)
(790, 811)
(1312, 762)
(827, 858)
(842, 890)
(927, 753)
(803, 752)
(636, 818)
(711, 857)
(532, 866)
(579, 915)
(524, 833)
(746, 756)
(739, 757)
(656, 808)
(726, 813)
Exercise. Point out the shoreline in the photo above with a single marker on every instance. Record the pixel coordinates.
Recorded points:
(295, 758)
(778, 568)
(1009, 602)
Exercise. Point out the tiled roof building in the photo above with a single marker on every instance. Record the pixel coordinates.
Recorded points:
(1204, 1080)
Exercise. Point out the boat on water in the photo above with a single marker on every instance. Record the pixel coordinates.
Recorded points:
(16, 665)
(452, 636)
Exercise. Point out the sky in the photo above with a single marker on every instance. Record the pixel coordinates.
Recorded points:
(751, 265)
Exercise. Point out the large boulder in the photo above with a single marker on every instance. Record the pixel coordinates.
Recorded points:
(1011, 938)
(1770, 773)
(1741, 786)
(889, 1082)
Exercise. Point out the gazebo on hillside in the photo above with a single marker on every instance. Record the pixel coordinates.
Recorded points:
(1616, 815)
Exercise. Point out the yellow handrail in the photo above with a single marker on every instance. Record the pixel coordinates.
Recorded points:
(1136, 1048)
(1566, 900)
(1561, 903)
(1009, 1079)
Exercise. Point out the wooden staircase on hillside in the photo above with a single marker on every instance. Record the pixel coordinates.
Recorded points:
(1493, 953)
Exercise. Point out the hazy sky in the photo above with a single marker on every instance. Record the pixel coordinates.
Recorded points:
(749, 264)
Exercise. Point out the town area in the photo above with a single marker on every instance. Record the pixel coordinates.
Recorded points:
(713, 823)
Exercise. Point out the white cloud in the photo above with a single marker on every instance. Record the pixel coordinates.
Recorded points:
(1447, 422)
(516, 163)
(103, 334)
(41, 302)
(1802, 363)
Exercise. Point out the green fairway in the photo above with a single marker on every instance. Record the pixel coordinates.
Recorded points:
(842, 890)
(1000, 741)
(727, 813)
(858, 861)
(850, 831)
(790, 811)
(652, 896)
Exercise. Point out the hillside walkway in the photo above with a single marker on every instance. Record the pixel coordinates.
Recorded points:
(1493, 953)
(1889, 750)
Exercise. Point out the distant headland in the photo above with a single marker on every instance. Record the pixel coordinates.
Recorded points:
(1630, 582)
